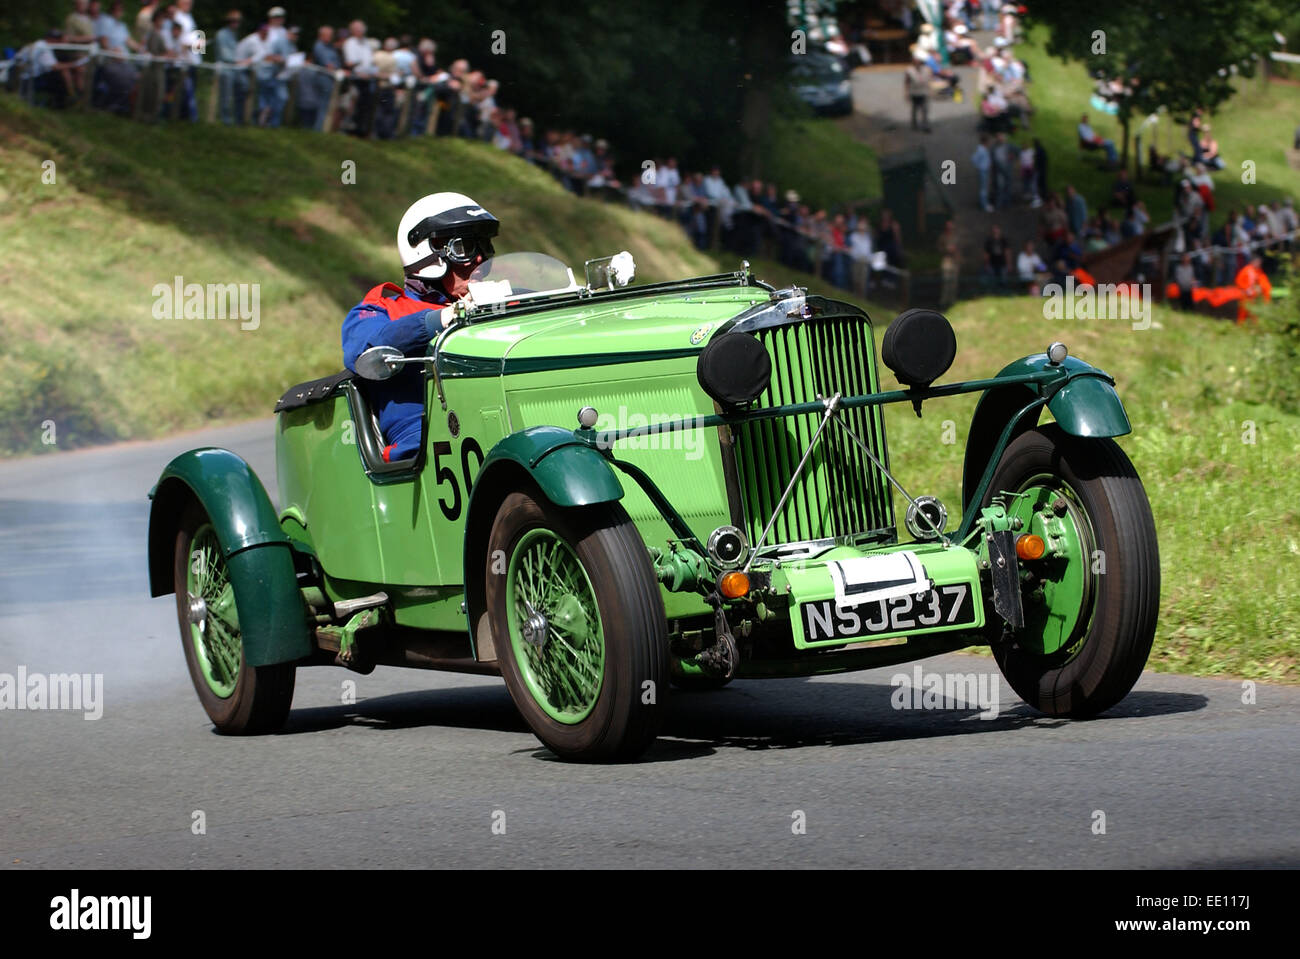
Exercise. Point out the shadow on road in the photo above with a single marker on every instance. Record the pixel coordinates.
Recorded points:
(473, 707)
(782, 714)
(843, 714)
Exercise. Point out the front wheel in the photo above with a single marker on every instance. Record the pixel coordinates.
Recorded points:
(579, 628)
(1092, 600)
(238, 698)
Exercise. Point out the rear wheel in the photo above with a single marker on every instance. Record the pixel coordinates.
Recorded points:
(238, 698)
(1092, 601)
(578, 625)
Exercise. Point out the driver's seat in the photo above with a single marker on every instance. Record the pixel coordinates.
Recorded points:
(369, 437)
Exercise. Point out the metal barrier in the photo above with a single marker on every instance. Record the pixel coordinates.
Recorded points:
(157, 78)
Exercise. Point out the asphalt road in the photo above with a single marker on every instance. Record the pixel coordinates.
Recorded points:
(422, 767)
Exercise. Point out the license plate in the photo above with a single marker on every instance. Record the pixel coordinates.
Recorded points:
(942, 606)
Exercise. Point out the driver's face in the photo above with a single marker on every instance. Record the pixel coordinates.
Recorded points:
(456, 280)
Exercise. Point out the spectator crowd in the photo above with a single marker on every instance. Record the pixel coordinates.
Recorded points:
(757, 218)
(265, 73)
(152, 65)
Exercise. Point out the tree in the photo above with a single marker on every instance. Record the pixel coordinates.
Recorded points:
(693, 80)
(1179, 54)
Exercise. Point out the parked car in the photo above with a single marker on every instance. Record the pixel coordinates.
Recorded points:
(624, 487)
(820, 81)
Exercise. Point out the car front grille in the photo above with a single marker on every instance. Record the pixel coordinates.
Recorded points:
(840, 494)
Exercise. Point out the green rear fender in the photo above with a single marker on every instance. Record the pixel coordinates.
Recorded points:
(1086, 405)
(567, 471)
(258, 554)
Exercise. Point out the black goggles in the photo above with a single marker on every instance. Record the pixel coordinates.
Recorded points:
(461, 250)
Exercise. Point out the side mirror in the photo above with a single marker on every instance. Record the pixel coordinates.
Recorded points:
(379, 362)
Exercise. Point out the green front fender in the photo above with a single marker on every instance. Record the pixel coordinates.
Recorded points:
(568, 472)
(1086, 404)
(258, 554)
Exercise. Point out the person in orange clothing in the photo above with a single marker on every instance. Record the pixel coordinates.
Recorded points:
(1253, 282)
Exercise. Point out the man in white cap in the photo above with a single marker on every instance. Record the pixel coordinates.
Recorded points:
(275, 17)
(928, 40)
(960, 47)
(189, 32)
(359, 59)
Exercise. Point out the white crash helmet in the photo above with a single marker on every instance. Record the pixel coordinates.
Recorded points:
(443, 227)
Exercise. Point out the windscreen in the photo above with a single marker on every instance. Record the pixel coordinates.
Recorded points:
(526, 272)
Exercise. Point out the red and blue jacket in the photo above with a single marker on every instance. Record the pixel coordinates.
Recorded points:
(391, 316)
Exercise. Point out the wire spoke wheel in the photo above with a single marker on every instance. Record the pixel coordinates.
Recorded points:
(577, 622)
(214, 618)
(239, 698)
(555, 626)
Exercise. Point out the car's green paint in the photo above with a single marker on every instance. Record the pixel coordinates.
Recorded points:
(685, 465)
(294, 525)
(611, 329)
(273, 615)
(1087, 404)
(1084, 403)
(502, 401)
(257, 551)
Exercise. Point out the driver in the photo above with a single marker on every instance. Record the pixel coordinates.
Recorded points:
(441, 239)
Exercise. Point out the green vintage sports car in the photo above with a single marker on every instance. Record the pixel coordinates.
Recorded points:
(625, 487)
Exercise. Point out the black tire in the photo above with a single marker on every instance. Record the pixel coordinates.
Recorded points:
(262, 695)
(621, 723)
(1096, 673)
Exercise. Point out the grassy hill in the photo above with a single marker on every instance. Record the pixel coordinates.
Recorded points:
(1255, 125)
(133, 207)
